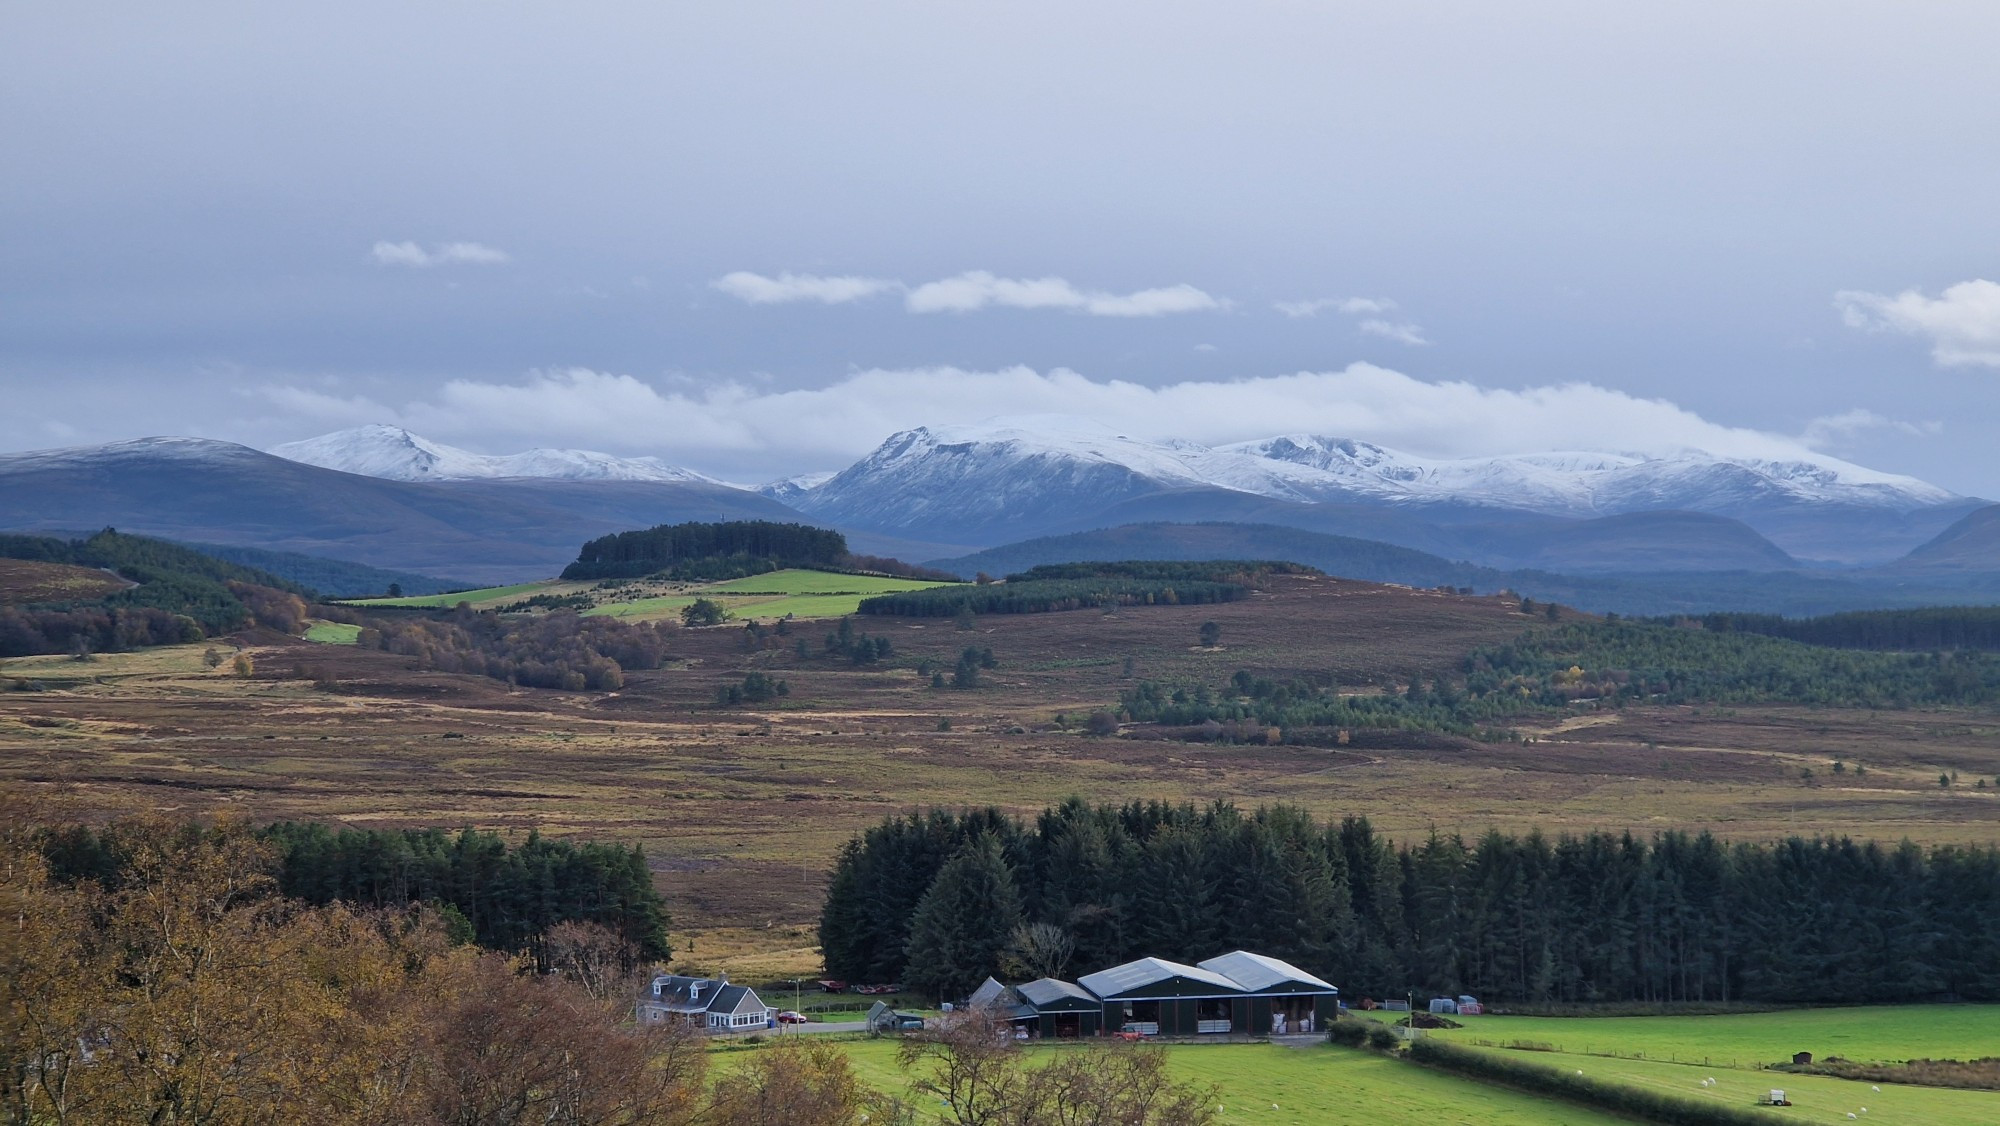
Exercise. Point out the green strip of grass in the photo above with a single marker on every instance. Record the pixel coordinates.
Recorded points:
(483, 594)
(332, 633)
(817, 582)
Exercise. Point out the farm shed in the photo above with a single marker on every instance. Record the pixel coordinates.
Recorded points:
(1155, 997)
(1054, 1009)
(989, 994)
(1284, 999)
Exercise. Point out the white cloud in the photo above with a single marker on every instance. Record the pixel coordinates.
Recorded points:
(1352, 306)
(1372, 309)
(787, 287)
(977, 289)
(754, 433)
(1962, 324)
(442, 254)
(968, 292)
(1833, 429)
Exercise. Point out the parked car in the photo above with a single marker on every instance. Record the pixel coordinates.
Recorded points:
(790, 1017)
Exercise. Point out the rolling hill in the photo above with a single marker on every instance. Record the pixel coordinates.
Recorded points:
(204, 491)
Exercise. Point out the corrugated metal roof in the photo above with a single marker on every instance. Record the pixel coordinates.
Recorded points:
(1049, 990)
(1119, 980)
(1258, 972)
(990, 992)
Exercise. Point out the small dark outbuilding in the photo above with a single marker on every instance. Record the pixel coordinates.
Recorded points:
(1801, 1057)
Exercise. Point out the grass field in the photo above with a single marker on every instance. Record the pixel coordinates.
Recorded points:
(482, 599)
(1815, 1099)
(1879, 1034)
(332, 633)
(1312, 1086)
(818, 582)
(802, 594)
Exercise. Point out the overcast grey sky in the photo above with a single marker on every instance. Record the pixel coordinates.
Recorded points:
(755, 238)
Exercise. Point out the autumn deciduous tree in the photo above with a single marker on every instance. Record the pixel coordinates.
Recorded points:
(982, 1079)
(177, 985)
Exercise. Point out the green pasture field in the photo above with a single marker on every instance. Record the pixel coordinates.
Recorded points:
(818, 582)
(664, 606)
(332, 633)
(1312, 1086)
(476, 597)
(1816, 1099)
(1876, 1034)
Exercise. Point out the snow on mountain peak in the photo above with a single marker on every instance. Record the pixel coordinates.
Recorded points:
(396, 454)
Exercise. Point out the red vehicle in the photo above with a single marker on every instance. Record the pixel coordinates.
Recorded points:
(871, 990)
(831, 985)
(790, 1017)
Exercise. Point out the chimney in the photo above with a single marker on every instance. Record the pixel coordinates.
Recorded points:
(723, 977)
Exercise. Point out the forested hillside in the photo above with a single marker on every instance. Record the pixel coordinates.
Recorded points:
(1925, 629)
(330, 578)
(180, 595)
(1598, 917)
(1584, 664)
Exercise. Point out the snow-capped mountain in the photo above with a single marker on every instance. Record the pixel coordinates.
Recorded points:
(791, 489)
(1594, 484)
(1037, 474)
(396, 454)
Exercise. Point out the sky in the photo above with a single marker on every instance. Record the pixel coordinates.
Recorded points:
(756, 238)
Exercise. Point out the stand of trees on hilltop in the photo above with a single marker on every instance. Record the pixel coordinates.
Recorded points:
(182, 596)
(705, 552)
(1930, 628)
(1596, 918)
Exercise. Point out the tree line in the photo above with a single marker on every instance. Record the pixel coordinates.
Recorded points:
(504, 898)
(1926, 629)
(1039, 596)
(939, 900)
(562, 650)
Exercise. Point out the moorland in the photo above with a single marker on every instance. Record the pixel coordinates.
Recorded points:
(742, 809)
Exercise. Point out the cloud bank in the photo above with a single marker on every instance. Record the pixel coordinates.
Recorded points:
(442, 254)
(967, 293)
(757, 289)
(1962, 324)
(753, 433)
(977, 289)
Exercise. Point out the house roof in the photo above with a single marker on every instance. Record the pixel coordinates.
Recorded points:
(702, 995)
(1257, 973)
(1046, 991)
(736, 999)
(1140, 973)
(990, 992)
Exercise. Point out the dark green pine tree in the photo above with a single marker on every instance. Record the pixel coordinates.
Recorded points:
(963, 922)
